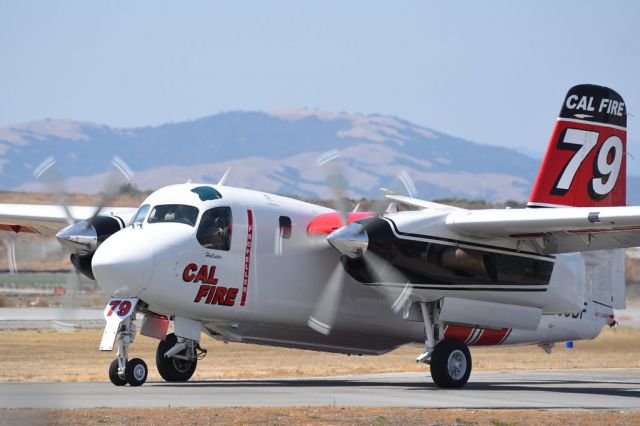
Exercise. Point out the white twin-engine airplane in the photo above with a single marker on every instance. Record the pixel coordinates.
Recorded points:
(246, 266)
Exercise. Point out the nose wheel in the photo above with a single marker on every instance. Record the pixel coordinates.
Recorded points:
(136, 372)
(115, 377)
(123, 370)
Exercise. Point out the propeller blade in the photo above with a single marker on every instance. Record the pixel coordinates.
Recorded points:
(10, 246)
(68, 322)
(324, 313)
(331, 164)
(119, 174)
(47, 173)
(403, 184)
(383, 271)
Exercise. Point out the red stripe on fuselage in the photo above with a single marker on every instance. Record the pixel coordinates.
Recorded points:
(457, 332)
(487, 337)
(491, 337)
(247, 257)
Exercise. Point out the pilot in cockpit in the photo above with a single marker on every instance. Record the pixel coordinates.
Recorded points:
(215, 231)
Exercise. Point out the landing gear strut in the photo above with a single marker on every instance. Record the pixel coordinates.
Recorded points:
(122, 370)
(177, 358)
(450, 360)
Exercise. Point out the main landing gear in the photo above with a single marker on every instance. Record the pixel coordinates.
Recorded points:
(177, 358)
(450, 360)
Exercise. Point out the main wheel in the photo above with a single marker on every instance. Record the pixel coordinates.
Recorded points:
(114, 376)
(173, 369)
(136, 372)
(450, 364)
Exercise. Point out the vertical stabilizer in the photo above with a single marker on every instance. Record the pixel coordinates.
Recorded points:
(585, 163)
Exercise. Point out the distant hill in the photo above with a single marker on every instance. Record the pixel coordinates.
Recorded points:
(275, 152)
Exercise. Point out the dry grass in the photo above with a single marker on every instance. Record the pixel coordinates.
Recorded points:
(313, 416)
(31, 356)
(122, 200)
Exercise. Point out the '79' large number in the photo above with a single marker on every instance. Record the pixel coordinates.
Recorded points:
(606, 166)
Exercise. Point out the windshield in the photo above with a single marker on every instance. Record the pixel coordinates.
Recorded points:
(140, 214)
(174, 213)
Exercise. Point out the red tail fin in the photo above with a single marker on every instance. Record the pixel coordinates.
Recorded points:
(585, 163)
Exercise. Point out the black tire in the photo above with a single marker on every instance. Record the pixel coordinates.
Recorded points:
(113, 374)
(136, 372)
(173, 369)
(450, 364)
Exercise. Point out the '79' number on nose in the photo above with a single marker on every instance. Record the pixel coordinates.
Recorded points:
(120, 307)
(606, 165)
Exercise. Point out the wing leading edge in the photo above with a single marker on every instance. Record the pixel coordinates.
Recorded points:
(49, 219)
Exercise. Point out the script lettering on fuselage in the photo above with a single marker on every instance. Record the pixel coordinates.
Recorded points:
(209, 292)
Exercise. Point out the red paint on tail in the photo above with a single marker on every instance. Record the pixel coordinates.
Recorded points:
(585, 163)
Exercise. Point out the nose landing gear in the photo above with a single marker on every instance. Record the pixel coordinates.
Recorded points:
(176, 357)
(122, 371)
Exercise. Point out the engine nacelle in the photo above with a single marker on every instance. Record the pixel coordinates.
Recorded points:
(83, 238)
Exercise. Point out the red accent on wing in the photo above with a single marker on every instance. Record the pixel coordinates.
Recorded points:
(17, 229)
(491, 337)
(326, 223)
(557, 161)
(457, 332)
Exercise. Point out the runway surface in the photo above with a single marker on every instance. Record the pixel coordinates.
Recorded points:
(612, 389)
(64, 319)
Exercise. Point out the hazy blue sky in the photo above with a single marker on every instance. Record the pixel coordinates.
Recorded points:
(494, 71)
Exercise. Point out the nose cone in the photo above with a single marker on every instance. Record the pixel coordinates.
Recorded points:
(80, 237)
(123, 264)
(351, 241)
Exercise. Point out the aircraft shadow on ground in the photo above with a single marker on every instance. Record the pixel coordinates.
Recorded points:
(586, 387)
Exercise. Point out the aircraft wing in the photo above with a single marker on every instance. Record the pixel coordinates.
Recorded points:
(49, 219)
(554, 230)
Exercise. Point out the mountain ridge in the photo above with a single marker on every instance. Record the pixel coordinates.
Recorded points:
(273, 151)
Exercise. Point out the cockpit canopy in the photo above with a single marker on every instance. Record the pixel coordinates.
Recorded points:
(179, 213)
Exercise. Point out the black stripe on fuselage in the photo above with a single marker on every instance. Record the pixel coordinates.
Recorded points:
(460, 287)
(467, 243)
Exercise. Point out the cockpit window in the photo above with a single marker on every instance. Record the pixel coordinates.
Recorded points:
(174, 213)
(141, 214)
(215, 228)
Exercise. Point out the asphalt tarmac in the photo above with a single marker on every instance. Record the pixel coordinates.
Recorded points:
(611, 389)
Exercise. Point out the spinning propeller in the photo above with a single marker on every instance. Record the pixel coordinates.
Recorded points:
(82, 237)
(351, 242)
